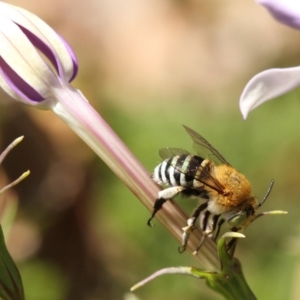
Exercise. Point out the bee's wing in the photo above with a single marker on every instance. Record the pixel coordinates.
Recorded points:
(165, 153)
(199, 142)
(205, 176)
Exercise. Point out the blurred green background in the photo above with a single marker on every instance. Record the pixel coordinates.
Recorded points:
(148, 67)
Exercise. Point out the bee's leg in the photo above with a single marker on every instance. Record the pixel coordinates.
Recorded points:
(164, 196)
(191, 225)
(186, 234)
(205, 221)
(218, 226)
(206, 232)
(203, 238)
(232, 243)
(215, 225)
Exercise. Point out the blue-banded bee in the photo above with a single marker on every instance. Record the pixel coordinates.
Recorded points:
(226, 192)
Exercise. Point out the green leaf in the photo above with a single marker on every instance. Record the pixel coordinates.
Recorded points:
(11, 287)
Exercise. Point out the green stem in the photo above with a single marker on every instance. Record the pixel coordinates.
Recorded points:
(230, 281)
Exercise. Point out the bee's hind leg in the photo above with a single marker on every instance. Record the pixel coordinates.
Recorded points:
(164, 196)
(159, 202)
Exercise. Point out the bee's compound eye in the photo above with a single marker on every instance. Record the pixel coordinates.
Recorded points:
(237, 219)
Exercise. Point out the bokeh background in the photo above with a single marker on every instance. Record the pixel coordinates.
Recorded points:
(149, 66)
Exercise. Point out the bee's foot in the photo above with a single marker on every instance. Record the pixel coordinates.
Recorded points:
(150, 224)
(195, 252)
(190, 227)
(181, 249)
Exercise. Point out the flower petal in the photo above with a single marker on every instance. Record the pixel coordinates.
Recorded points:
(25, 75)
(15, 86)
(285, 11)
(267, 85)
(53, 46)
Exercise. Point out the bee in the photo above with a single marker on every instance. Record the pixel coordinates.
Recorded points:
(226, 193)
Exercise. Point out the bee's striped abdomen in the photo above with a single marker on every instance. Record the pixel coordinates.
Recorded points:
(179, 170)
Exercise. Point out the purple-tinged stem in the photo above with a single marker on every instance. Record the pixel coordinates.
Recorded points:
(74, 110)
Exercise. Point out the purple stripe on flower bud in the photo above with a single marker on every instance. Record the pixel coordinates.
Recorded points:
(17, 84)
(35, 59)
(73, 57)
(52, 55)
(45, 39)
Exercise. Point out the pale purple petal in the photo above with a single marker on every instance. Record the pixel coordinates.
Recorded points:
(285, 11)
(267, 85)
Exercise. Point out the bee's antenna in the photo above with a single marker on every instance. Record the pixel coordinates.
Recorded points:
(267, 194)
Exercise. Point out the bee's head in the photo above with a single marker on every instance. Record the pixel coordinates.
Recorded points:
(241, 217)
(246, 214)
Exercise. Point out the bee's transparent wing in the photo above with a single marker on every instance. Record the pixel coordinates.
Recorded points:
(165, 153)
(199, 142)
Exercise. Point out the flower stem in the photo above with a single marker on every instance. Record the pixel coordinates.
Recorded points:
(80, 116)
(230, 282)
